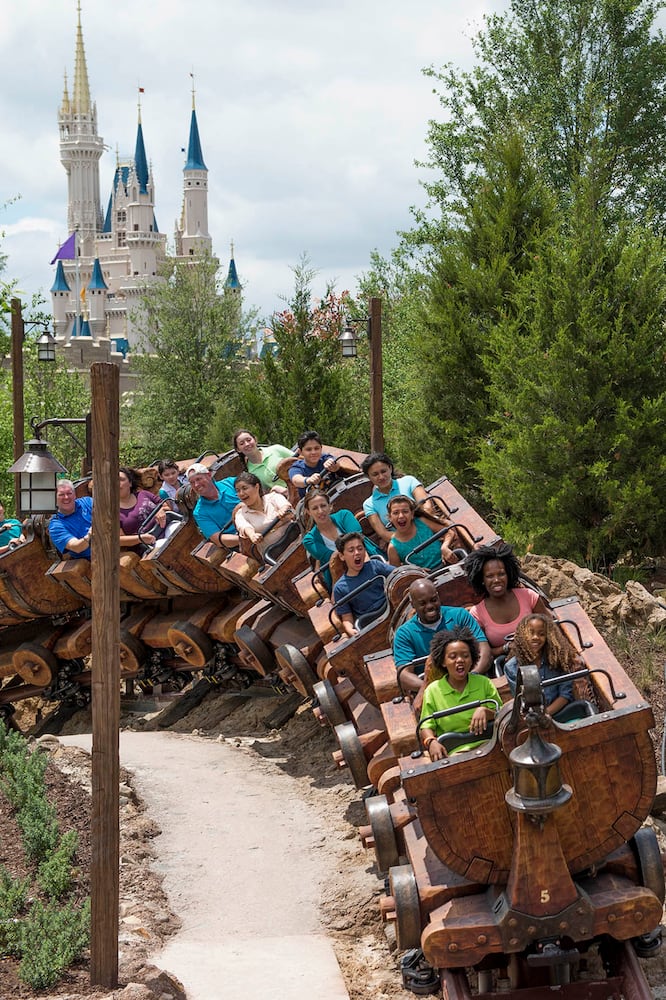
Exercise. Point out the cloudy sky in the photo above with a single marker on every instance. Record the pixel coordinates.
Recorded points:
(311, 114)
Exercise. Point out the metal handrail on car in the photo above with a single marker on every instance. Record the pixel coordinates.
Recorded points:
(436, 536)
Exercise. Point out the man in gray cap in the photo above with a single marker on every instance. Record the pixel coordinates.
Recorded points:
(215, 506)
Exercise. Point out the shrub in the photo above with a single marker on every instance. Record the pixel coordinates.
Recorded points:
(52, 937)
(55, 873)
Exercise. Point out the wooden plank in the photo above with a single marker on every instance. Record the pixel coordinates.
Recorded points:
(105, 830)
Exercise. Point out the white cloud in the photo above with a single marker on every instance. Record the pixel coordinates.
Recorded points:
(311, 116)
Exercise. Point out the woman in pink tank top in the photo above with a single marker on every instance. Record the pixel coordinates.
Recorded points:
(495, 574)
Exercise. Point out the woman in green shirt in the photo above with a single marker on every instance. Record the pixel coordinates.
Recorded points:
(261, 462)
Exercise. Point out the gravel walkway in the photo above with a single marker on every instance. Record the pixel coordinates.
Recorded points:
(244, 868)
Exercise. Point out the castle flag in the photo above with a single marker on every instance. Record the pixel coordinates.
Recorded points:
(68, 249)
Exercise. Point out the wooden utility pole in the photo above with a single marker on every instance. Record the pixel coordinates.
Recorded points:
(376, 375)
(17, 396)
(104, 876)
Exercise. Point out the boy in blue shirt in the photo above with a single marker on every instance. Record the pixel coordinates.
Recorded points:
(358, 570)
(312, 464)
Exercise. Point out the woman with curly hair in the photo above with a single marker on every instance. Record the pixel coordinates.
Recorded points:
(494, 572)
(538, 640)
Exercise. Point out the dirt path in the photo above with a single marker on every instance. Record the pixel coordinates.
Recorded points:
(244, 862)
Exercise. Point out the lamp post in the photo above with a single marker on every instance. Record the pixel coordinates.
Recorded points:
(348, 344)
(45, 352)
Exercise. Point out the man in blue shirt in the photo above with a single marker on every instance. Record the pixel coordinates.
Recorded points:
(358, 570)
(215, 506)
(412, 639)
(70, 527)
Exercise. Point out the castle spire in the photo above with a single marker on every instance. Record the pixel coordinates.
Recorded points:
(195, 160)
(140, 159)
(192, 235)
(81, 104)
(65, 106)
(80, 150)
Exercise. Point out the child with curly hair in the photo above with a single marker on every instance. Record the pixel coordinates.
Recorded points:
(538, 639)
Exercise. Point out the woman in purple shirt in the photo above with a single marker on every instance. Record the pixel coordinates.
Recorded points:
(135, 506)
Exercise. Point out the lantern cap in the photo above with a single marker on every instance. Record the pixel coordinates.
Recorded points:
(37, 458)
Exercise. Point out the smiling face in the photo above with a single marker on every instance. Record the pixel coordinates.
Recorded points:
(248, 493)
(536, 637)
(319, 509)
(202, 483)
(65, 500)
(380, 475)
(495, 579)
(246, 443)
(457, 662)
(311, 452)
(425, 601)
(353, 555)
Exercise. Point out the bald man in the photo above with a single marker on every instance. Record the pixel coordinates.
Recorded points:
(412, 639)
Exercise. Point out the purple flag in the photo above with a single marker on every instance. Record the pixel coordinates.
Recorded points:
(67, 251)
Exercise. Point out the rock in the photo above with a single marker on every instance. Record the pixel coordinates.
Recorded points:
(135, 991)
(163, 982)
(48, 740)
(605, 602)
(644, 607)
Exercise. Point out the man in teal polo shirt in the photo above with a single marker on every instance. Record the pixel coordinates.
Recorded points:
(412, 639)
(215, 506)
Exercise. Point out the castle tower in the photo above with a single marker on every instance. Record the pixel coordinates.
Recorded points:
(61, 294)
(80, 151)
(191, 236)
(96, 296)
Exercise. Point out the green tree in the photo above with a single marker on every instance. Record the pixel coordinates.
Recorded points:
(401, 289)
(305, 384)
(575, 460)
(471, 287)
(586, 82)
(189, 334)
(543, 329)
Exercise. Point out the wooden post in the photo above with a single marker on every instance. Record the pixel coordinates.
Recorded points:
(376, 387)
(17, 396)
(105, 878)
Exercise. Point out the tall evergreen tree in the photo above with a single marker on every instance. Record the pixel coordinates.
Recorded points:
(586, 80)
(575, 462)
(471, 288)
(189, 334)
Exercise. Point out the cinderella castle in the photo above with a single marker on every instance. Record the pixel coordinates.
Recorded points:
(110, 258)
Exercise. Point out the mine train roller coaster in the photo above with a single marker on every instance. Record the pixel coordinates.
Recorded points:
(520, 867)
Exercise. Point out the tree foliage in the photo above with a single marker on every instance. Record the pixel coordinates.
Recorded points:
(189, 333)
(575, 460)
(542, 345)
(306, 384)
(585, 80)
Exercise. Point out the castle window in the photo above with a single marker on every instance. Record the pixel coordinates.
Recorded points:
(122, 241)
(136, 227)
(121, 216)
